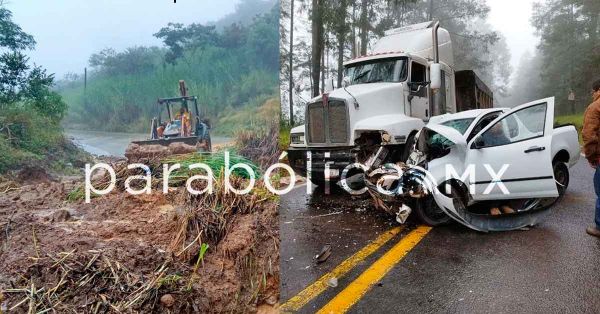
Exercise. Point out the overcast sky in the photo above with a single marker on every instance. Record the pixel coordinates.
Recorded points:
(512, 18)
(69, 31)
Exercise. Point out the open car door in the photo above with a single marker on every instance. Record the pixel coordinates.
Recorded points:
(511, 158)
(512, 155)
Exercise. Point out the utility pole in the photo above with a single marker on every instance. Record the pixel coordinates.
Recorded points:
(572, 8)
(291, 67)
(85, 87)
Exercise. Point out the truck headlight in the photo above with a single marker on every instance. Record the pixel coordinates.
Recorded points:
(297, 138)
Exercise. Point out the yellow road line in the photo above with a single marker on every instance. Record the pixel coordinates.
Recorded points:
(310, 292)
(357, 289)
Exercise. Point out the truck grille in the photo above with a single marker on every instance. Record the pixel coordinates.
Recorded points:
(316, 123)
(327, 125)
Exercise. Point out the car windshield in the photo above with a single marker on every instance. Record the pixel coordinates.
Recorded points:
(373, 71)
(461, 125)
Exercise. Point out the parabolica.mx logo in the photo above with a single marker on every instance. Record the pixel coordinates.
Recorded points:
(386, 175)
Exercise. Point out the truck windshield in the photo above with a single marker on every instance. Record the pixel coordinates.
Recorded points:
(380, 70)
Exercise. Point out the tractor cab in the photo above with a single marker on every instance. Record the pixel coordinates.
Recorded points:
(179, 117)
(177, 128)
(179, 120)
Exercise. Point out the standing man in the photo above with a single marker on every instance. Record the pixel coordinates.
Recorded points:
(591, 148)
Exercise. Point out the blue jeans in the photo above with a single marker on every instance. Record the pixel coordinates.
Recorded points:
(597, 188)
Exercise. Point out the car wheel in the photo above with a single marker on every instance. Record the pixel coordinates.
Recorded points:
(561, 176)
(430, 213)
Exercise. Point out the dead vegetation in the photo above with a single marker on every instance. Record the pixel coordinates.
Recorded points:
(175, 253)
(262, 147)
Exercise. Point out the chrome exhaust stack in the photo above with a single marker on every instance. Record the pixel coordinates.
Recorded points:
(436, 52)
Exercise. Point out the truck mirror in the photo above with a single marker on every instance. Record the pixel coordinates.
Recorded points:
(346, 81)
(435, 76)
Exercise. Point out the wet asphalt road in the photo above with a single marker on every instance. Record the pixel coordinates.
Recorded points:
(553, 267)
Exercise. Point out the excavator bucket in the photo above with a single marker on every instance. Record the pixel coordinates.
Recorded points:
(160, 148)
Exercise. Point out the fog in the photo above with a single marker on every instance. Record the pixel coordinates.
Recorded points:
(69, 31)
(512, 19)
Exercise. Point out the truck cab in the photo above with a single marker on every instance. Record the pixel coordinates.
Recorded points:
(387, 96)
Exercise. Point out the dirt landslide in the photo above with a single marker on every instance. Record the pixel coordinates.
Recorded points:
(174, 253)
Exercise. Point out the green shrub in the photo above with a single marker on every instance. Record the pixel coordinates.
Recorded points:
(28, 137)
(576, 120)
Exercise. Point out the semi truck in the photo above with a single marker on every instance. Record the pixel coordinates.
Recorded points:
(386, 97)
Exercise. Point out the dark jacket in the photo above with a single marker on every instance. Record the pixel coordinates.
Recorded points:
(591, 131)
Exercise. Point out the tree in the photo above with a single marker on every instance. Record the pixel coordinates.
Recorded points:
(233, 36)
(525, 87)
(178, 37)
(340, 27)
(569, 49)
(348, 27)
(13, 76)
(134, 60)
(291, 64)
(263, 38)
(317, 45)
(364, 26)
(19, 82)
(38, 95)
(12, 36)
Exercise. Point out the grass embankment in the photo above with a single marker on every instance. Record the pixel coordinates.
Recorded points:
(30, 139)
(575, 119)
(256, 117)
(232, 72)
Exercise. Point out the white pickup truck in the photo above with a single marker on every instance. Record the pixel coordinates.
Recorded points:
(515, 156)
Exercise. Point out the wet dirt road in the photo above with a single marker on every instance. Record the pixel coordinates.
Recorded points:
(381, 267)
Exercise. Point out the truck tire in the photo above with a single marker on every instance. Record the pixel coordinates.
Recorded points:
(318, 179)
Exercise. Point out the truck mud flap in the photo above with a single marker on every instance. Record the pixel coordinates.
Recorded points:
(528, 216)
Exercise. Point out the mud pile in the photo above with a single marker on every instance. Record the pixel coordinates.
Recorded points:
(150, 253)
(137, 152)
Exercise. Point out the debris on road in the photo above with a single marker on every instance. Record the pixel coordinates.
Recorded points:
(324, 254)
(332, 282)
(323, 215)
